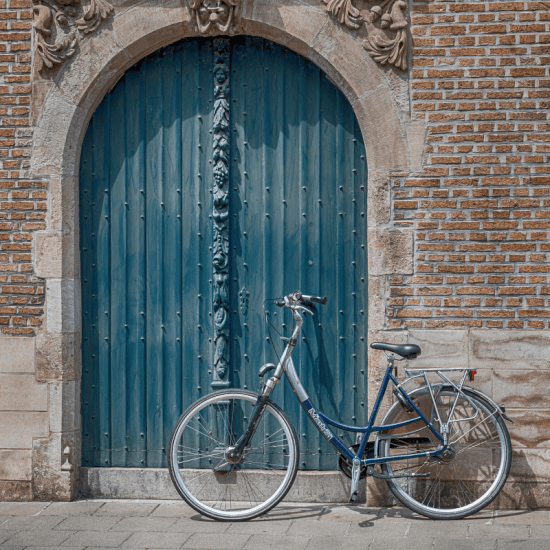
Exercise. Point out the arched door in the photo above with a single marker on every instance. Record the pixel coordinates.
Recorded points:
(217, 174)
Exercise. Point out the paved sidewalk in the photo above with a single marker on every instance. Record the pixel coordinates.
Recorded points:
(94, 524)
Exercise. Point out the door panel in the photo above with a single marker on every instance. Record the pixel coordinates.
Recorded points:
(297, 219)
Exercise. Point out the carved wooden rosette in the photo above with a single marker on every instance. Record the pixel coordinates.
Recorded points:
(220, 215)
(385, 28)
(61, 24)
(215, 16)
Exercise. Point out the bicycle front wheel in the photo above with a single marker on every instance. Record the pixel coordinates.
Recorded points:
(473, 473)
(216, 484)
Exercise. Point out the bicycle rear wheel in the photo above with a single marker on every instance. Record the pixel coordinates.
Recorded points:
(206, 477)
(470, 477)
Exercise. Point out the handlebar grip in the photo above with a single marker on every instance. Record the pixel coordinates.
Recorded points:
(318, 299)
(279, 304)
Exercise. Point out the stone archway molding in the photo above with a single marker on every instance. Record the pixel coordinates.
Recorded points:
(62, 108)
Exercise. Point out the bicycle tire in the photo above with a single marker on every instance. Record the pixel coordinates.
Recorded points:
(458, 486)
(232, 492)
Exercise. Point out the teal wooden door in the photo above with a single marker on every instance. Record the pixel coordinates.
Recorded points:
(217, 174)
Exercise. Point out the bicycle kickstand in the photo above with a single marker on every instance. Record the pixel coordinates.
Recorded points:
(355, 472)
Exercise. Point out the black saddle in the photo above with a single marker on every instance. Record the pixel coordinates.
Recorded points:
(408, 351)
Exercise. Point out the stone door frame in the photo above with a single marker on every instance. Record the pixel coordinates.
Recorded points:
(62, 108)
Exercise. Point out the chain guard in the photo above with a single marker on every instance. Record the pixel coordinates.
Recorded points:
(345, 465)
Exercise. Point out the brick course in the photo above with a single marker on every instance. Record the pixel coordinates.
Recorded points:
(480, 78)
(23, 203)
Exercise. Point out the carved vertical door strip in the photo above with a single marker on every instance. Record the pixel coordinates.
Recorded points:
(220, 217)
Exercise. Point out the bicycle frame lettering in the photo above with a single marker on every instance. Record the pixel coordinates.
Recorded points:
(322, 421)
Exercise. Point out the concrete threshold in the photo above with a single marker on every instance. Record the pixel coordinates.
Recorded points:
(156, 484)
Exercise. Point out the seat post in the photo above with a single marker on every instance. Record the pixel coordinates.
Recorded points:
(392, 365)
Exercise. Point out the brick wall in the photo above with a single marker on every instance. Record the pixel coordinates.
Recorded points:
(22, 202)
(480, 209)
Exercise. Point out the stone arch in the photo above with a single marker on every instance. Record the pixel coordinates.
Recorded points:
(68, 102)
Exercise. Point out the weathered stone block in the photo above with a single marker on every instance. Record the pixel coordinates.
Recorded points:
(58, 356)
(17, 429)
(64, 406)
(48, 254)
(509, 349)
(293, 24)
(417, 131)
(22, 393)
(384, 132)
(15, 465)
(50, 482)
(378, 200)
(144, 28)
(531, 428)
(440, 348)
(17, 355)
(530, 465)
(57, 136)
(63, 305)
(391, 251)
(63, 206)
(524, 389)
(521, 496)
(15, 491)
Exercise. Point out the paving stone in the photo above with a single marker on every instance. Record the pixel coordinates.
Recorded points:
(78, 508)
(521, 517)
(90, 523)
(261, 526)
(329, 542)
(50, 548)
(302, 511)
(522, 545)
(380, 543)
(144, 524)
(507, 532)
(6, 535)
(288, 542)
(199, 526)
(316, 527)
(396, 530)
(106, 539)
(32, 523)
(132, 509)
(21, 508)
(349, 513)
(457, 544)
(12, 547)
(175, 510)
(216, 542)
(399, 514)
(539, 530)
(156, 540)
(40, 538)
(451, 530)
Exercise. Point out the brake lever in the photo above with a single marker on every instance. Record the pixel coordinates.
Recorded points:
(305, 309)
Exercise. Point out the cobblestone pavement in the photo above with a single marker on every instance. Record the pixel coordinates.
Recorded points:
(94, 524)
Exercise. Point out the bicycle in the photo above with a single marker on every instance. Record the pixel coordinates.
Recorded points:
(233, 454)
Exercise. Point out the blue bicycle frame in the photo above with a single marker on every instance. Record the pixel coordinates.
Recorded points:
(322, 421)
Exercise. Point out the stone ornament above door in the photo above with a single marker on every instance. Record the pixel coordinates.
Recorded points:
(381, 26)
(61, 24)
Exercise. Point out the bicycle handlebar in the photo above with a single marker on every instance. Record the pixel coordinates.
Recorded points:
(298, 298)
(319, 299)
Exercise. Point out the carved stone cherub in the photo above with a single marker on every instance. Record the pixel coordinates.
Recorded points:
(219, 13)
